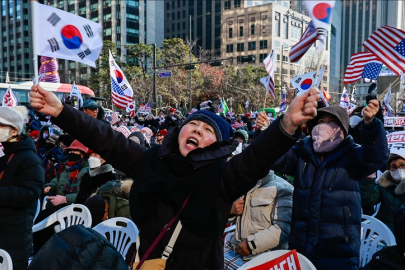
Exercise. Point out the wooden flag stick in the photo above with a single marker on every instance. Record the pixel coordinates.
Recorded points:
(395, 83)
(317, 68)
(264, 104)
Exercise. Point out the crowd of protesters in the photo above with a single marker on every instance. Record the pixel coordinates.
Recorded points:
(300, 181)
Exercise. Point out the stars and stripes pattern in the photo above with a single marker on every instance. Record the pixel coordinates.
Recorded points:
(148, 106)
(362, 65)
(268, 82)
(307, 39)
(113, 118)
(388, 44)
(118, 97)
(220, 107)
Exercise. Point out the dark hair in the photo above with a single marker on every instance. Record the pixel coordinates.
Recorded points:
(66, 139)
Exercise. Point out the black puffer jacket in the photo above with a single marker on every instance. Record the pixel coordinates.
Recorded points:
(326, 215)
(229, 181)
(20, 189)
(78, 248)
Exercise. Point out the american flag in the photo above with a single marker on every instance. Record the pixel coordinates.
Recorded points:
(121, 90)
(388, 44)
(344, 100)
(113, 118)
(118, 97)
(307, 39)
(268, 81)
(283, 101)
(220, 107)
(362, 65)
(148, 106)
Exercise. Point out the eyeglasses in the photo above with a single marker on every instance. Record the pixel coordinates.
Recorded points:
(159, 135)
(395, 167)
(92, 109)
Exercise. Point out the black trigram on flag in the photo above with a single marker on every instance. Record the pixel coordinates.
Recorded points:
(88, 30)
(53, 19)
(84, 54)
(54, 44)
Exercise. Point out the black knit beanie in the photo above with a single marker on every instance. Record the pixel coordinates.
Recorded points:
(223, 130)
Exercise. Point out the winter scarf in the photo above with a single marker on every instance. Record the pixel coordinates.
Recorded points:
(74, 168)
(386, 181)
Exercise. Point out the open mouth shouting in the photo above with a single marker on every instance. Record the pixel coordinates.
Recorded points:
(192, 143)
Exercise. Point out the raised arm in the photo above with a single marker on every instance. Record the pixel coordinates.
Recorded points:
(243, 171)
(373, 153)
(111, 145)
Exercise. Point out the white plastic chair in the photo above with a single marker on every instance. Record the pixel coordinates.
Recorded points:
(7, 263)
(38, 209)
(373, 232)
(376, 209)
(120, 231)
(70, 215)
(271, 255)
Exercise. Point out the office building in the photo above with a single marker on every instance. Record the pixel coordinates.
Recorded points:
(124, 22)
(256, 30)
(15, 49)
(205, 30)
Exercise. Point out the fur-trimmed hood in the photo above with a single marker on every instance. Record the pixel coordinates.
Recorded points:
(385, 182)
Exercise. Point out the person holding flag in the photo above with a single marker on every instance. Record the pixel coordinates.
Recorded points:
(194, 178)
(327, 167)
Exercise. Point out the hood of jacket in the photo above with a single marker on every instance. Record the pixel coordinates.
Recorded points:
(23, 144)
(200, 156)
(386, 182)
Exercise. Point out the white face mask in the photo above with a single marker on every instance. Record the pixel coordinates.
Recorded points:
(398, 174)
(44, 135)
(4, 134)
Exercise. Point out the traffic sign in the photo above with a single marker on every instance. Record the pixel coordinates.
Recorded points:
(165, 74)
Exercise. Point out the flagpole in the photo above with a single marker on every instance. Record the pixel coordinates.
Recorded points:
(34, 5)
(317, 68)
(264, 104)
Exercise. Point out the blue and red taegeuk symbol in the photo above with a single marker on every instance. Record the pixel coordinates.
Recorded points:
(322, 12)
(306, 84)
(118, 76)
(71, 37)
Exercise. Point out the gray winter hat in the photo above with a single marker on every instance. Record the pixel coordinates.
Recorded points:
(13, 116)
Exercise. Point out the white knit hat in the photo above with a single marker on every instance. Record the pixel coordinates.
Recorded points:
(13, 116)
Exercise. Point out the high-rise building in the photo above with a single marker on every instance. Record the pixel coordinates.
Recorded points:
(335, 48)
(124, 22)
(258, 29)
(15, 48)
(205, 29)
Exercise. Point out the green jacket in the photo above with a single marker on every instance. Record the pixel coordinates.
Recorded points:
(57, 184)
(390, 195)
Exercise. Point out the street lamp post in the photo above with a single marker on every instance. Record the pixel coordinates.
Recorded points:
(208, 13)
